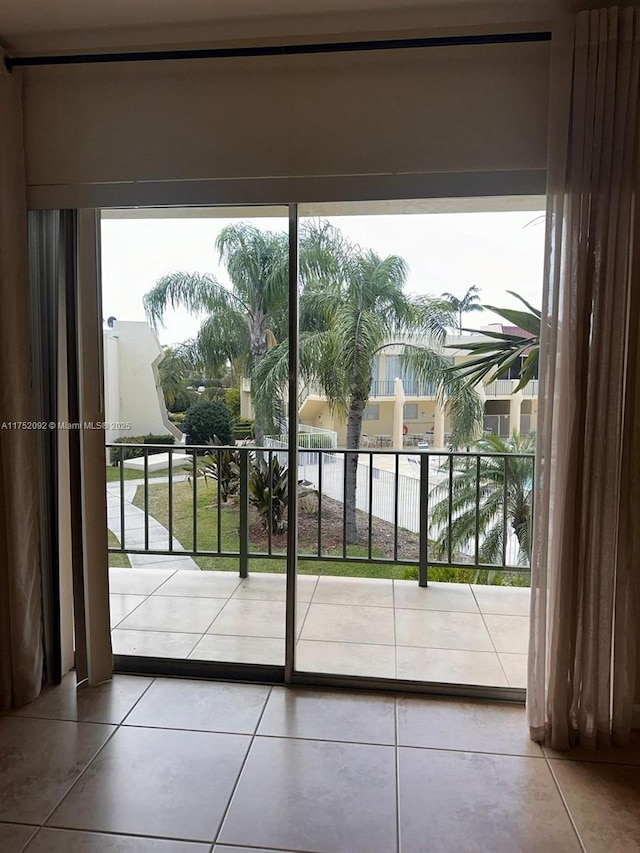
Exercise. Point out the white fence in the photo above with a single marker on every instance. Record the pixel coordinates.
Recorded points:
(380, 500)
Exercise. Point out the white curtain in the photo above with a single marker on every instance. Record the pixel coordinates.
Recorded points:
(585, 637)
(21, 656)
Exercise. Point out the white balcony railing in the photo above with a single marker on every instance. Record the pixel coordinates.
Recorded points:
(506, 387)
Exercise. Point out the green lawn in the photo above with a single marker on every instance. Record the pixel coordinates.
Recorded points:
(113, 473)
(207, 515)
(117, 561)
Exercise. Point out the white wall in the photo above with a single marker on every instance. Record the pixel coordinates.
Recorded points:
(132, 388)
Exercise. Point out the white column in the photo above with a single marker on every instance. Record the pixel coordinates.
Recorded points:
(438, 426)
(398, 414)
(515, 410)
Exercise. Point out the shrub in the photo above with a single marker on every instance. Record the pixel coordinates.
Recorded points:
(183, 398)
(206, 419)
(243, 428)
(271, 479)
(232, 399)
(120, 454)
(449, 574)
(177, 417)
(224, 468)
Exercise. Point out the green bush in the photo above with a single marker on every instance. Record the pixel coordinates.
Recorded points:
(243, 428)
(177, 417)
(206, 419)
(232, 399)
(121, 454)
(491, 577)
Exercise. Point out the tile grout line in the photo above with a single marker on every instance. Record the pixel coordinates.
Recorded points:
(97, 753)
(304, 618)
(395, 630)
(397, 757)
(495, 650)
(140, 603)
(565, 803)
(242, 766)
(306, 739)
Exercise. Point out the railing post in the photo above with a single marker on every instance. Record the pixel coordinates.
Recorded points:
(244, 514)
(424, 519)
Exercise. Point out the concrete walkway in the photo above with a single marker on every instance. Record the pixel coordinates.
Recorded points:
(134, 528)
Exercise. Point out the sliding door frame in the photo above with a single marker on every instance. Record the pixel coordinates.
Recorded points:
(97, 596)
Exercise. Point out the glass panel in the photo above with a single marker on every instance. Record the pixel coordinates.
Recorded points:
(196, 301)
(400, 496)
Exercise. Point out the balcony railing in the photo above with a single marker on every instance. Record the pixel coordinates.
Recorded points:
(412, 388)
(409, 508)
(506, 387)
(417, 388)
(382, 388)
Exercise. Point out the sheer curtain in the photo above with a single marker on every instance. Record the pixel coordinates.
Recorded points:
(586, 564)
(21, 638)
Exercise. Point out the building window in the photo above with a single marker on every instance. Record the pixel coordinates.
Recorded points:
(411, 411)
(371, 412)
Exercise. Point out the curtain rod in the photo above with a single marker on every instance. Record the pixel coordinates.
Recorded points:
(277, 50)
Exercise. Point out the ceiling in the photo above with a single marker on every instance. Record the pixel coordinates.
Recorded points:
(25, 23)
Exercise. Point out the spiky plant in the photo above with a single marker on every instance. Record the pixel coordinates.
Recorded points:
(269, 493)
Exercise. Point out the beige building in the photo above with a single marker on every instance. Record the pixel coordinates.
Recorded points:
(404, 411)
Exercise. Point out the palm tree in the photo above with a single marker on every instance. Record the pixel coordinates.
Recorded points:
(469, 302)
(241, 322)
(352, 307)
(501, 350)
(173, 371)
(483, 484)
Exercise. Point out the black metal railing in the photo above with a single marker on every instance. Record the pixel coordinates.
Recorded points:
(412, 508)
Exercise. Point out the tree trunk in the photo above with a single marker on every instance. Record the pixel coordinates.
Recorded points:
(258, 335)
(354, 432)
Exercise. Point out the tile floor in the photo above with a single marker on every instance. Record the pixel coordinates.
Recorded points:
(145, 765)
(354, 626)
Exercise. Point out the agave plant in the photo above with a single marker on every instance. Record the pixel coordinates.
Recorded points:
(269, 493)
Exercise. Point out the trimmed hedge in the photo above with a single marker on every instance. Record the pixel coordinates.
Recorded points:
(121, 454)
(243, 428)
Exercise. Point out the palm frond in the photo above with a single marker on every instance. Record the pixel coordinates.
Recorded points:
(197, 292)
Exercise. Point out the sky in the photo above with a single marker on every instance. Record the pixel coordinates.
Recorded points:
(450, 252)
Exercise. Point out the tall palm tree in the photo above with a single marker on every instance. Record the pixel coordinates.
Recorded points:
(241, 323)
(352, 307)
(488, 494)
(466, 304)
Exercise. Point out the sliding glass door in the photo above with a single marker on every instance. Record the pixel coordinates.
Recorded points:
(414, 514)
(196, 301)
(290, 495)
